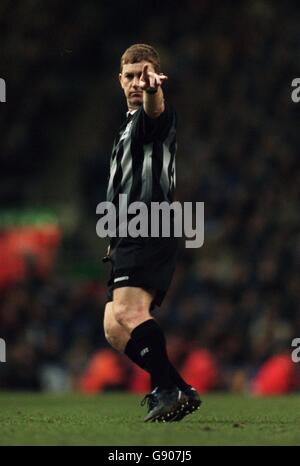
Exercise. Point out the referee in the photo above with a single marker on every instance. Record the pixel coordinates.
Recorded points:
(143, 167)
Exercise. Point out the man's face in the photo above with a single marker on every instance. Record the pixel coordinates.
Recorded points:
(129, 80)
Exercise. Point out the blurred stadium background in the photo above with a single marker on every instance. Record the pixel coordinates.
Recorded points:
(233, 308)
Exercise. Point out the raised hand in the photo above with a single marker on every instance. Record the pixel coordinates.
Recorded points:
(150, 79)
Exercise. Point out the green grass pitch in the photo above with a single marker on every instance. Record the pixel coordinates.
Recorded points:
(117, 419)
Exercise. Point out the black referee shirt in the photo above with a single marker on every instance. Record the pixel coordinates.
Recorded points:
(143, 158)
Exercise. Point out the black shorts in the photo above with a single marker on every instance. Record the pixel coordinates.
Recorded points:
(147, 263)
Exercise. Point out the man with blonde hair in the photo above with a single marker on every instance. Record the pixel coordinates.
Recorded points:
(143, 168)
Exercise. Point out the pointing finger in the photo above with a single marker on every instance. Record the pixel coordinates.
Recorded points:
(145, 71)
(152, 81)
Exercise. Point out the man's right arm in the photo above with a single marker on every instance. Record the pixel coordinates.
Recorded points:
(151, 129)
(153, 103)
(153, 98)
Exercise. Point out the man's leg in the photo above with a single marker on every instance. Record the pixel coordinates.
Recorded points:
(121, 340)
(136, 329)
(115, 334)
(131, 310)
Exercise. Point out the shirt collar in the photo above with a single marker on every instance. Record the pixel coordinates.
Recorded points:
(131, 113)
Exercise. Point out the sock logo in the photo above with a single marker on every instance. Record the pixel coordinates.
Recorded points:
(144, 351)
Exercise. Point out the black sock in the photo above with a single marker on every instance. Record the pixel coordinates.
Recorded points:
(151, 346)
(177, 379)
(160, 376)
(132, 352)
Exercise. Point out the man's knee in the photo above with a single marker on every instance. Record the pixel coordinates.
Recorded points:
(109, 332)
(115, 334)
(121, 312)
(112, 338)
(130, 315)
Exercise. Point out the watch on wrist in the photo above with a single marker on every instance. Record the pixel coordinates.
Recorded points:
(151, 90)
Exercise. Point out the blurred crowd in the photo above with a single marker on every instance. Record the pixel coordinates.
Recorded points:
(234, 303)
